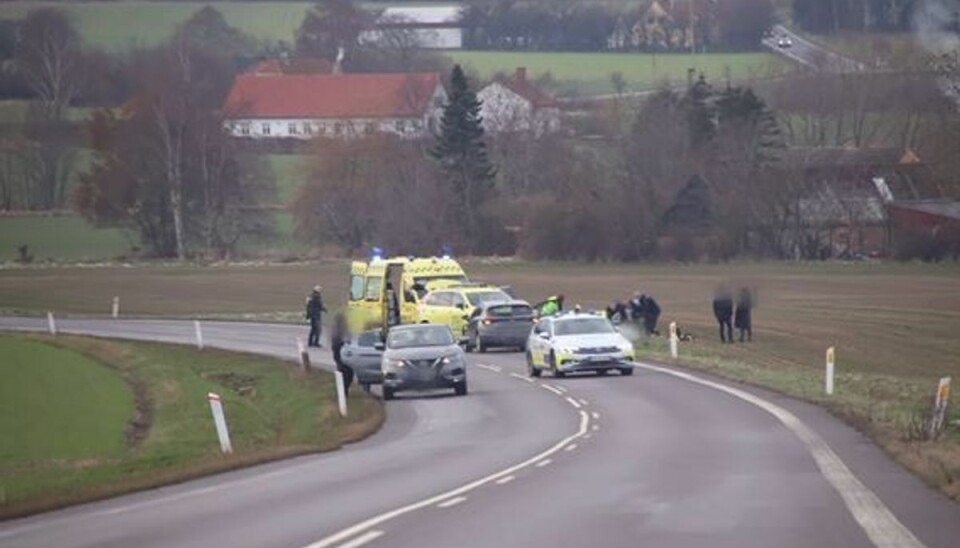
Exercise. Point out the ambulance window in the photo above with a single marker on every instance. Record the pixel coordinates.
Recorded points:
(439, 299)
(458, 300)
(373, 288)
(356, 288)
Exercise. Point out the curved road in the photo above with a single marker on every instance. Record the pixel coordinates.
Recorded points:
(662, 459)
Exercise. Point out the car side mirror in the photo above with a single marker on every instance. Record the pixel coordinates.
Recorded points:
(379, 346)
(461, 306)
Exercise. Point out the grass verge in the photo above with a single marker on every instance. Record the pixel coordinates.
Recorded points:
(159, 429)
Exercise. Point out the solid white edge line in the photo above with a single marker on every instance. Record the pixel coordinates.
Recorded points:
(882, 528)
(503, 481)
(362, 539)
(552, 389)
(573, 402)
(354, 530)
(451, 502)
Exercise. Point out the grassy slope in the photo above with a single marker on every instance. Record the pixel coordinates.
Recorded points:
(289, 413)
(590, 72)
(77, 408)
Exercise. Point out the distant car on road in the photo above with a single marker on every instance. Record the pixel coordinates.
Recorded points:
(571, 343)
(361, 354)
(784, 42)
(500, 324)
(455, 305)
(421, 357)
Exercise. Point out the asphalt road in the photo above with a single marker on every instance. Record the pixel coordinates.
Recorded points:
(810, 54)
(655, 459)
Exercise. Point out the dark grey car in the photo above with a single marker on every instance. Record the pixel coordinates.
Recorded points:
(421, 357)
(361, 354)
(500, 324)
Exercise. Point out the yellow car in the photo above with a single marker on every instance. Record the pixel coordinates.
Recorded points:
(454, 305)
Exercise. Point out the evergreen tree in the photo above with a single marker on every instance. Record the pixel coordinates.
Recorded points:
(462, 154)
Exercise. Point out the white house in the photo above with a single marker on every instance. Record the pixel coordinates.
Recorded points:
(515, 104)
(303, 106)
(433, 27)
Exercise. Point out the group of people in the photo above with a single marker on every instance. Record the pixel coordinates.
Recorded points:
(725, 310)
(641, 308)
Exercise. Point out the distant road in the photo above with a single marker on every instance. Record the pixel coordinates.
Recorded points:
(660, 459)
(810, 54)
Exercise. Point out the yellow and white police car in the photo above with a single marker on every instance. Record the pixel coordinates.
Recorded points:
(573, 342)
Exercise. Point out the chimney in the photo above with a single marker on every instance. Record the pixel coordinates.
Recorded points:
(521, 74)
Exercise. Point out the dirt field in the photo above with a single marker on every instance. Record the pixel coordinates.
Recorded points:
(894, 326)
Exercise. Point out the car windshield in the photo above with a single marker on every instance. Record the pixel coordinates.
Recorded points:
(583, 326)
(426, 335)
(368, 338)
(480, 297)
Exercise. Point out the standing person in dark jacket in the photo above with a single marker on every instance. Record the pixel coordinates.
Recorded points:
(315, 310)
(651, 314)
(336, 345)
(742, 319)
(723, 311)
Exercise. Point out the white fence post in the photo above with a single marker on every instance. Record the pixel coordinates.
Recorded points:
(304, 354)
(939, 417)
(116, 307)
(673, 340)
(220, 422)
(51, 323)
(828, 381)
(341, 393)
(199, 332)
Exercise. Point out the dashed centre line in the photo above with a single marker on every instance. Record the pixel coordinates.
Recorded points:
(595, 414)
(543, 463)
(452, 502)
(573, 402)
(494, 368)
(505, 480)
(584, 402)
(571, 447)
(522, 378)
(552, 389)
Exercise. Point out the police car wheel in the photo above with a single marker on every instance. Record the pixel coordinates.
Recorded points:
(461, 389)
(626, 372)
(533, 371)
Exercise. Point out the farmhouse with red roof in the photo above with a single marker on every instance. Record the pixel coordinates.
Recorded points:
(303, 106)
(515, 104)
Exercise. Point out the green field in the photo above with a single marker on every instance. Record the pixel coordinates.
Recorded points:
(584, 73)
(72, 400)
(61, 237)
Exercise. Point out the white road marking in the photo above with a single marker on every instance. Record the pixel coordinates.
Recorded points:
(587, 436)
(503, 481)
(452, 502)
(561, 388)
(573, 402)
(552, 389)
(571, 447)
(543, 463)
(386, 516)
(362, 539)
(876, 520)
(595, 415)
(584, 402)
(521, 377)
(596, 427)
(490, 367)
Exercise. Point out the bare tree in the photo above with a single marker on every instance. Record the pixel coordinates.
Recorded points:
(47, 56)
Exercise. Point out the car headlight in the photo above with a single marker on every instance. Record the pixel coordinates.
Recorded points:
(393, 364)
(451, 359)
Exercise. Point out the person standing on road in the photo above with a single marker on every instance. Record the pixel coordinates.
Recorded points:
(723, 311)
(315, 310)
(742, 319)
(336, 345)
(651, 314)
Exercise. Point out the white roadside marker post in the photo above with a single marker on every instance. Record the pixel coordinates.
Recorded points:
(220, 422)
(828, 381)
(940, 408)
(304, 354)
(199, 332)
(51, 323)
(341, 393)
(116, 307)
(673, 340)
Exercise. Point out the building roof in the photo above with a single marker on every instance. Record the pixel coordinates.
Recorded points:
(939, 208)
(848, 157)
(331, 95)
(297, 65)
(519, 84)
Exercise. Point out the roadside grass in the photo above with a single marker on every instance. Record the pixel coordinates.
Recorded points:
(272, 409)
(586, 73)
